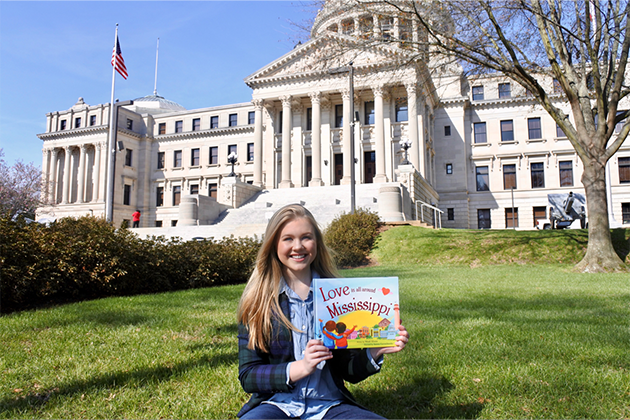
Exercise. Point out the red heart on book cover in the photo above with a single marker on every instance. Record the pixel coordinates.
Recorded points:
(385, 291)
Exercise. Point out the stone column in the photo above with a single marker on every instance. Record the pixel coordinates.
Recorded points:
(422, 147)
(81, 174)
(96, 171)
(258, 142)
(45, 175)
(379, 134)
(316, 140)
(66, 175)
(412, 103)
(53, 177)
(286, 142)
(346, 136)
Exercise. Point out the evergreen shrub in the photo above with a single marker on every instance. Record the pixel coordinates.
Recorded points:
(352, 236)
(87, 258)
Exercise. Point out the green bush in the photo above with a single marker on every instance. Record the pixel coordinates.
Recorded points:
(352, 236)
(87, 258)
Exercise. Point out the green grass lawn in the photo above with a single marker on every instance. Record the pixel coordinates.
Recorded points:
(488, 341)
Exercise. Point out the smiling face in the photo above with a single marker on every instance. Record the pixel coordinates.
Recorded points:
(297, 249)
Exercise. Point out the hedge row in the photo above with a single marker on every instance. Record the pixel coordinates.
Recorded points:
(87, 258)
(351, 236)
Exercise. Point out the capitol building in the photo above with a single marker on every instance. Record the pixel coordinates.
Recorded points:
(426, 142)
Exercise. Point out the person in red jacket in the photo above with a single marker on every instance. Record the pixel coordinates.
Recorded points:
(136, 219)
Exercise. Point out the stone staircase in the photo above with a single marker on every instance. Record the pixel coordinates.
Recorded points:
(251, 218)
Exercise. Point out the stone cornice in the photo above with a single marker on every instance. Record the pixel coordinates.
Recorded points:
(75, 132)
(213, 132)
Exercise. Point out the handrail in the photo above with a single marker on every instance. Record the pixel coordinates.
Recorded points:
(437, 213)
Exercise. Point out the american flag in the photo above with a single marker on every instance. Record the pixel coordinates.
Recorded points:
(118, 61)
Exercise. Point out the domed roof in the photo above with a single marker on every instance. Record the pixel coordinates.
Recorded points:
(153, 104)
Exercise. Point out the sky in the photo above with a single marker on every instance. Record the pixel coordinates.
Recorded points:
(52, 53)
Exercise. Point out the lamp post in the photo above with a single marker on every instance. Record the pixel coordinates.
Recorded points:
(232, 158)
(350, 70)
(405, 143)
(111, 158)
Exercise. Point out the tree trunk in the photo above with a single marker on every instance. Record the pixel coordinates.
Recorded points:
(600, 254)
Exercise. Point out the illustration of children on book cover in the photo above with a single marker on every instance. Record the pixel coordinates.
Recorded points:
(356, 312)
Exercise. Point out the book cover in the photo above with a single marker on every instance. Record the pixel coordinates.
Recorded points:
(356, 312)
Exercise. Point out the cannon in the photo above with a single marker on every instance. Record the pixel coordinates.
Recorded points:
(566, 211)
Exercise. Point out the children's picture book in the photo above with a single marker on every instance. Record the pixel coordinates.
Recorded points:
(356, 312)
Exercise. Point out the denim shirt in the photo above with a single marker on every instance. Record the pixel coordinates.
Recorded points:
(313, 395)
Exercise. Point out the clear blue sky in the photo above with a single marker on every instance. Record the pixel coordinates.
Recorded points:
(52, 53)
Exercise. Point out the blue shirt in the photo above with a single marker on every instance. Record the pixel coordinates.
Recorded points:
(313, 395)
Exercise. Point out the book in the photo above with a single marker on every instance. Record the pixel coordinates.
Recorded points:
(356, 312)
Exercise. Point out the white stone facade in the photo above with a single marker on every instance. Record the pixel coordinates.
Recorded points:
(295, 133)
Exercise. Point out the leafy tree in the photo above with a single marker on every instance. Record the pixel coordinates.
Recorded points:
(20, 187)
(560, 51)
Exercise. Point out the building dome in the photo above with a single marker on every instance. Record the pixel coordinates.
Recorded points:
(155, 104)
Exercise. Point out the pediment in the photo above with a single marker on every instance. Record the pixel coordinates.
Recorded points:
(319, 56)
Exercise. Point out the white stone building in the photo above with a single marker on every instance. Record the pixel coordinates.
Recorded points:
(472, 140)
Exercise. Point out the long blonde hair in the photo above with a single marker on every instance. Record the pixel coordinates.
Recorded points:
(259, 303)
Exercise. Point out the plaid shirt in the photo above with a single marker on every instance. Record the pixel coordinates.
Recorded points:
(263, 374)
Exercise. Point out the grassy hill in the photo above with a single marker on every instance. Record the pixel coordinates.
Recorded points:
(408, 244)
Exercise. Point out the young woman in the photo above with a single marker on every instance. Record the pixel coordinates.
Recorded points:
(288, 373)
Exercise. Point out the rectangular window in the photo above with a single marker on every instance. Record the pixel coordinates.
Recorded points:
(507, 130)
(449, 169)
(214, 155)
(212, 190)
(308, 164)
(127, 195)
(447, 131)
(483, 219)
(505, 90)
(251, 117)
(369, 167)
(339, 115)
(173, 223)
(214, 121)
(179, 126)
(624, 169)
(480, 132)
(482, 178)
(128, 157)
(194, 189)
(280, 123)
(625, 213)
(196, 124)
(77, 122)
(92, 120)
(369, 113)
(540, 213)
(534, 130)
(177, 195)
(511, 218)
(162, 128)
(560, 132)
(538, 175)
(177, 159)
(566, 173)
(160, 160)
(129, 124)
(450, 214)
(509, 177)
(62, 124)
(231, 149)
(158, 223)
(194, 157)
(250, 152)
(159, 196)
(402, 110)
(233, 120)
(477, 92)
(309, 119)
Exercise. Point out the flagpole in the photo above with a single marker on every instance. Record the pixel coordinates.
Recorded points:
(111, 147)
(157, 49)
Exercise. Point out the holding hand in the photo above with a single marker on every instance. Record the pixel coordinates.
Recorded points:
(314, 354)
(401, 341)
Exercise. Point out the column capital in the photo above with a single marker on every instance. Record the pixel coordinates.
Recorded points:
(315, 97)
(286, 101)
(381, 91)
(345, 94)
(83, 147)
(412, 88)
(258, 103)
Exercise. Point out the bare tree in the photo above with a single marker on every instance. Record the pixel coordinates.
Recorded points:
(582, 45)
(20, 187)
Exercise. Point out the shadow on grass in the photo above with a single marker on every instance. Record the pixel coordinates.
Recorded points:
(11, 407)
(417, 400)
